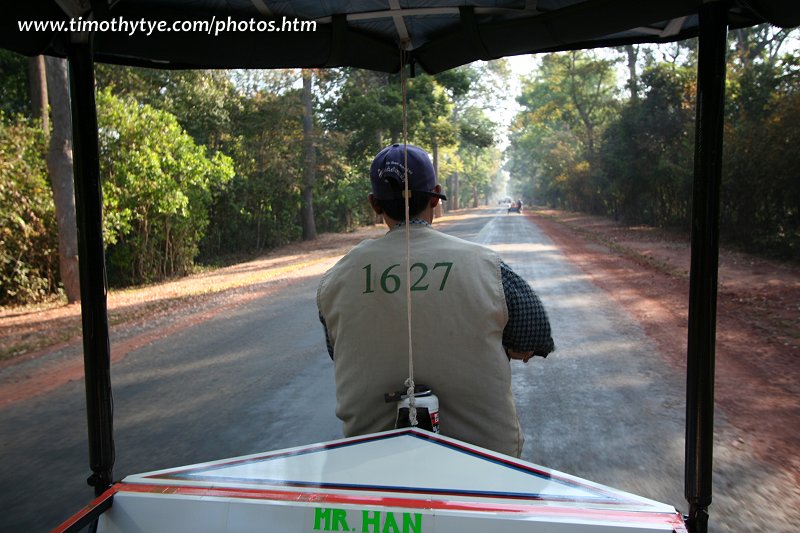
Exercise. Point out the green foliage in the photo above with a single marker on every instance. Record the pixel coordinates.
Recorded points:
(201, 165)
(157, 188)
(429, 111)
(367, 108)
(572, 146)
(28, 245)
(13, 83)
(761, 196)
(341, 190)
(480, 160)
(260, 207)
(201, 100)
(566, 107)
(647, 152)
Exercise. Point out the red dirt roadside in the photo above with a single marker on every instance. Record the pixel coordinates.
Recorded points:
(645, 270)
(758, 318)
(40, 347)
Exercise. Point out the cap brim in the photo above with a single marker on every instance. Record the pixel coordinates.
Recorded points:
(413, 192)
(432, 193)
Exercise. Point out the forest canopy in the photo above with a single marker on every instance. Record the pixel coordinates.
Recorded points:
(203, 167)
(613, 134)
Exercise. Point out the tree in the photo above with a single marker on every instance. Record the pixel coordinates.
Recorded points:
(309, 159)
(156, 190)
(632, 55)
(472, 93)
(59, 165)
(647, 151)
(14, 97)
(480, 162)
(366, 107)
(37, 79)
(341, 190)
(255, 117)
(430, 110)
(28, 243)
(259, 207)
(589, 88)
(201, 100)
(48, 84)
(566, 105)
(760, 193)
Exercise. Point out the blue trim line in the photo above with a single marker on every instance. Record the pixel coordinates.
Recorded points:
(189, 475)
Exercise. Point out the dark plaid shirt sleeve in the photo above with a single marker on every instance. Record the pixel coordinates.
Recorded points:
(528, 328)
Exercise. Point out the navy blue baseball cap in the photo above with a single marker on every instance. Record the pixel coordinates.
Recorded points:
(388, 172)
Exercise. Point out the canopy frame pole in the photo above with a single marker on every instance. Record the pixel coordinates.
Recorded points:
(704, 262)
(92, 269)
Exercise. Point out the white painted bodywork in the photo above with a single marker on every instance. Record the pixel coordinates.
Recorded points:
(408, 481)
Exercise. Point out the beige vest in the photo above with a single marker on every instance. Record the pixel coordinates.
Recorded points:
(458, 314)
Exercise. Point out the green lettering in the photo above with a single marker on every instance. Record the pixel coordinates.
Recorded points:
(319, 516)
(423, 268)
(340, 519)
(409, 526)
(368, 268)
(374, 521)
(448, 266)
(390, 279)
(390, 523)
(390, 282)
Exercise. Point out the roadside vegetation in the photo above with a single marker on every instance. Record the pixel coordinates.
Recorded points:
(203, 167)
(581, 144)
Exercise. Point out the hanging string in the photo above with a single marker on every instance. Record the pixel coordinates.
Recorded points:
(409, 383)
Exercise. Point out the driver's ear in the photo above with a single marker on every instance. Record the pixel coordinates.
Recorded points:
(435, 199)
(375, 205)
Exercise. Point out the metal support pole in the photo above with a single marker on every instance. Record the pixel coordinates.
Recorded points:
(88, 203)
(704, 263)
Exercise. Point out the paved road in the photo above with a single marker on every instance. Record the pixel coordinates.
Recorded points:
(258, 378)
(603, 397)
(602, 406)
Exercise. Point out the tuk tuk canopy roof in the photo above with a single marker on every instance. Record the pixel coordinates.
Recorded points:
(436, 34)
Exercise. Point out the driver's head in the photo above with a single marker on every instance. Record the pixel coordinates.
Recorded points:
(388, 173)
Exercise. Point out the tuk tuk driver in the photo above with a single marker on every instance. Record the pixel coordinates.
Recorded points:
(470, 314)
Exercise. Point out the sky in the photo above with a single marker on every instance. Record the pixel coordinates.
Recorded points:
(520, 66)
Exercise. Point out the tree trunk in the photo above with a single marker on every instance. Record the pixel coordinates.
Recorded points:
(633, 80)
(309, 160)
(456, 191)
(37, 79)
(439, 210)
(59, 166)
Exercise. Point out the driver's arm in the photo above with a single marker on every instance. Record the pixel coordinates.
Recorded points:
(527, 332)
